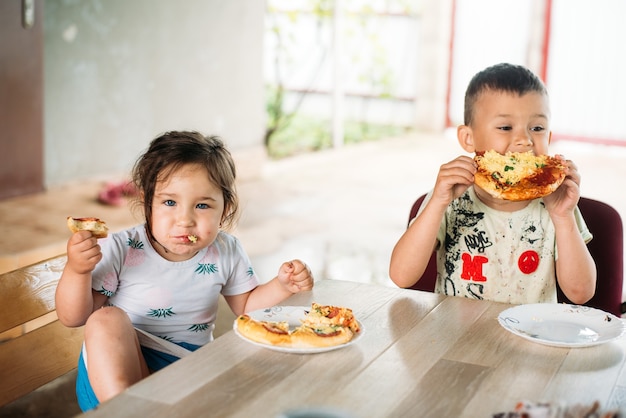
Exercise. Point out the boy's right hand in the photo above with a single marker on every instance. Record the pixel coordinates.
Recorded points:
(453, 179)
(83, 252)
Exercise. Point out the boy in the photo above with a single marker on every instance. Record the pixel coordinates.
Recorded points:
(488, 248)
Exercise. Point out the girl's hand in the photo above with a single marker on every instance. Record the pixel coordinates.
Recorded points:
(83, 252)
(295, 276)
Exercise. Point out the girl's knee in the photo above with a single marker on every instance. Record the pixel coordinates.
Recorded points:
(108, 317)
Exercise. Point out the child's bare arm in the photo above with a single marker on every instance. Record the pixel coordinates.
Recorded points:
(411, 254)
(293, 277)
(575, 268)
(75, 300)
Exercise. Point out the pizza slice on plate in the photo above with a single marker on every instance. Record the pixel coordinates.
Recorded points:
(322, 326)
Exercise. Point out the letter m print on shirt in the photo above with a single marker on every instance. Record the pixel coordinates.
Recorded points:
(473, 267)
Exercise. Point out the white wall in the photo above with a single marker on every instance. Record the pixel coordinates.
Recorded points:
(118, 73)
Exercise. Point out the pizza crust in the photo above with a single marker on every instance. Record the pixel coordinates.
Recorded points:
(518, 176)
(272, 333)
(97, 227)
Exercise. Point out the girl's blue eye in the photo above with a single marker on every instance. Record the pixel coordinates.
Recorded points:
(202, 206)
(169, 202)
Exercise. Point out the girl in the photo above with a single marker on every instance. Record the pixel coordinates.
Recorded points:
(163, 277)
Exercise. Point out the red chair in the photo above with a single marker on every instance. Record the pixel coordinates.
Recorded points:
(606, 248)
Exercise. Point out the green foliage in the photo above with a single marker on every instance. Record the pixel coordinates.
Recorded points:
(306, 134)
(289, 132)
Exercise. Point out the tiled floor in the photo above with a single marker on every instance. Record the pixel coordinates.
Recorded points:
(341, 211)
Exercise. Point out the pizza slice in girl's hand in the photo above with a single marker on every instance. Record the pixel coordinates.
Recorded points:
(518, 175)
(96, 226)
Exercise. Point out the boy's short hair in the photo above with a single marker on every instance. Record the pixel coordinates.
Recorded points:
(500, 77)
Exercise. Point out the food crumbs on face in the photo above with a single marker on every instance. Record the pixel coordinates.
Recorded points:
(192, 238)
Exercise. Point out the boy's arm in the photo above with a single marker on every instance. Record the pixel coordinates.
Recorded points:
(411, 254)
(575, 268)
(74, 298)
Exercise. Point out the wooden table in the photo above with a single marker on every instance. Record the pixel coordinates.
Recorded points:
(422, 355)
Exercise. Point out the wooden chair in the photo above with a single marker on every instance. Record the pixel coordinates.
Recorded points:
(35, 348)
(606, 248)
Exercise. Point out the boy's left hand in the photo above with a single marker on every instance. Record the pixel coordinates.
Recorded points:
(564, 199)
(295, 276)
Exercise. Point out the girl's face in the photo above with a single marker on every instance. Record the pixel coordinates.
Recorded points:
(187, 207)
(508, 122)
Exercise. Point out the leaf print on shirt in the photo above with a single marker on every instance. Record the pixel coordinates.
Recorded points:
(208, 264)
(198, 327)
(206, 268)
(250, 271)
(161, 312)
(110, 284)
(136, 254)
(106, 292)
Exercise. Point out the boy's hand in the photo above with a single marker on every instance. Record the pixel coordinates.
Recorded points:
(295, 276)
(563, 200)
(83, 252)
(453, 179)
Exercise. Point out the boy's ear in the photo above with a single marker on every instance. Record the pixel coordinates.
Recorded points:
(466, 138)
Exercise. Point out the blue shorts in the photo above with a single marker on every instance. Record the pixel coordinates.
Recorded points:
(155, 360)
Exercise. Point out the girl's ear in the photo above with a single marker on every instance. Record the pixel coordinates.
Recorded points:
(466, 138)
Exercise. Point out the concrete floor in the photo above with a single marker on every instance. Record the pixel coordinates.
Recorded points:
(341, 211)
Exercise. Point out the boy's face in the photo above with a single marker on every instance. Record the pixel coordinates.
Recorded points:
(508, 122)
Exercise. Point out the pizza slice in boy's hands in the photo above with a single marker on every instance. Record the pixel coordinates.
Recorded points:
(518, 175)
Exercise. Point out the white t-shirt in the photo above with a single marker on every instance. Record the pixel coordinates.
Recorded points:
(508, 257)
(176, 301)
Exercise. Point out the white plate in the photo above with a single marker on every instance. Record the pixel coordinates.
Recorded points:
(292, 315)
(562, 325)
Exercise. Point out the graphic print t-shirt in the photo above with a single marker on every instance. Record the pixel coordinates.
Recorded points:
(506, 257)
(176, 301)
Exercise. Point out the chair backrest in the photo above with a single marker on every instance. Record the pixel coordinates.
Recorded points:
(606, 248)
(429, 277)
(35, 347)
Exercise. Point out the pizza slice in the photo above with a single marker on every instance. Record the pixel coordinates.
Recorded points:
(518, 175)
(322, 326)
(265, 332)
(331, 315)
(96, 226)
(320, 335)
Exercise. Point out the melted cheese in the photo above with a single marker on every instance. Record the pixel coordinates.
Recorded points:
(511, 168)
